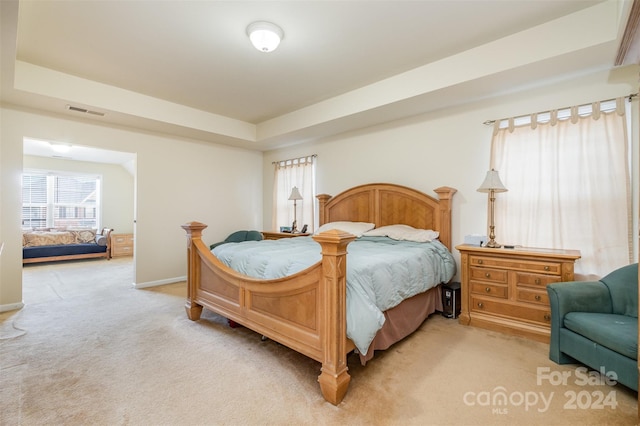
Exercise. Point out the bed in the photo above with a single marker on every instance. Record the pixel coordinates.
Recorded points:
(306, 311)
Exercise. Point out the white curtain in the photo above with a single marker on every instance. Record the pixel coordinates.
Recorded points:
(299, 172)
(568, 186)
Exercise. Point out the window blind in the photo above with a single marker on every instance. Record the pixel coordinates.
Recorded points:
(57, 200)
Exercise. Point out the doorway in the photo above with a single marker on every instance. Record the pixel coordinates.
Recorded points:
(117, 171)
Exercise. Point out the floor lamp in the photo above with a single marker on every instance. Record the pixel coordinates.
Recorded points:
(492, 184)
(295, 196)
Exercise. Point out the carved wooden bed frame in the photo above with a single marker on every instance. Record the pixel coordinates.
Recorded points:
(307, 311)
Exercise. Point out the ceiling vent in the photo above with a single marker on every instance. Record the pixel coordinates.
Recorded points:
(84, 110)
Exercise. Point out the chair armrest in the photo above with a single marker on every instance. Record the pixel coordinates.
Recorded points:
(579, 296)
(107, 233)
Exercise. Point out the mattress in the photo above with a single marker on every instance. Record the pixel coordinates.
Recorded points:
(61, 250)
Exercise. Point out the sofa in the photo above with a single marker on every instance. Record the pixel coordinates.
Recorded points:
(596, 323)
(49, 245)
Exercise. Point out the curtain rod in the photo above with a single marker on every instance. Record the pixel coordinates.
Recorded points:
(293, 159)
(489, 122)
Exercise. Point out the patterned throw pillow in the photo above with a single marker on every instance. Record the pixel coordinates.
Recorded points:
(39, 238)
(83, 236)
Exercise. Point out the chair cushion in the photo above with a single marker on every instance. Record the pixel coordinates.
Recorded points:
(616, 332)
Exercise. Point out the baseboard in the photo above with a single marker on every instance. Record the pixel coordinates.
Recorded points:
(160, 282)
(11, 307)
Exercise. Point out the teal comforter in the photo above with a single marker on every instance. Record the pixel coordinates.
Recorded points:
(381, 272)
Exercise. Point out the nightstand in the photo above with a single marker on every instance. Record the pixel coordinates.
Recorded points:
(273, 235)
(121, 245)
(506, 289)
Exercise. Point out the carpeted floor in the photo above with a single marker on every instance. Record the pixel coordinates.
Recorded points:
(89, 349)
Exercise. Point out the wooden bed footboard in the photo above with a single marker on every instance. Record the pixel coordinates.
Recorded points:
(305, 311)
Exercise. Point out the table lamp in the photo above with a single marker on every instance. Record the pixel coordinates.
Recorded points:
(492, 184)
(295, 196)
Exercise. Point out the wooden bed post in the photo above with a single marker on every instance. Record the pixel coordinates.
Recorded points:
(334, 379)
(322, 201)
(445, 194)
(194, 233)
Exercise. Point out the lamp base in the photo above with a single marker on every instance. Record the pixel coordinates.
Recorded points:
(492, 244)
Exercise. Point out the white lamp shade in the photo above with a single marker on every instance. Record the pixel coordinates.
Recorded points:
(492, 182)
(295, 194)
(265, 36)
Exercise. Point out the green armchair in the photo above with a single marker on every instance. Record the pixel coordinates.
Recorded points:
(238, 237)
(596, 323)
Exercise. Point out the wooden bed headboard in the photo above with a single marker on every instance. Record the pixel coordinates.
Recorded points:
(390, 204)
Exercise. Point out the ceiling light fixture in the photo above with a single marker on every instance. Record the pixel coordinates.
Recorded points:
(265, 36)
(60, 147)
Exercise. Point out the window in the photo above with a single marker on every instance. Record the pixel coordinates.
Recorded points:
(298, 172)
(568, 185)
(60, 200)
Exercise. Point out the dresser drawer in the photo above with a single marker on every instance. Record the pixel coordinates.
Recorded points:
(535, 280)
(532, 296)
(487, 274)
(489, 289)
(554, 268)
(122, 239)
(120, 250)
(518, 312)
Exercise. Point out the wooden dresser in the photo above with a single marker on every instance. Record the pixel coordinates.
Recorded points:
(121, 245)
(274, 235)
(505, 289)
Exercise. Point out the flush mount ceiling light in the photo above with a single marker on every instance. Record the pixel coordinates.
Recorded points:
(265, 36)
(61, 148)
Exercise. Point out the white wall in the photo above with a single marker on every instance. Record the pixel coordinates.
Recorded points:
(446, 148)
(177, 181)
(229, 189)
(117, 188)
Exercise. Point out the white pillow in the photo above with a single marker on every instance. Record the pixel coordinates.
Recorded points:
(355, 228)
(404, 233)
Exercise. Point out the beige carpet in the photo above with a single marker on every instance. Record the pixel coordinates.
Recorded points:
(87, 349)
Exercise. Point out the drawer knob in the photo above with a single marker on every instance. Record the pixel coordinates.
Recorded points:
(538, 297)
(480, 262)
(537, 281)
(488, 289)
(547, 317)
(488, 275)
(546, 268)
(480, 305)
